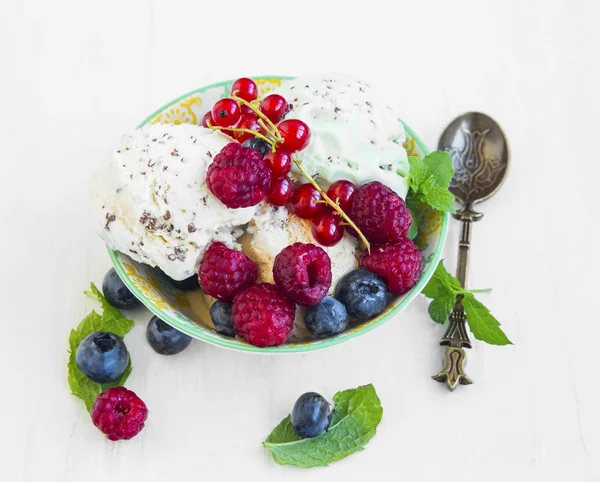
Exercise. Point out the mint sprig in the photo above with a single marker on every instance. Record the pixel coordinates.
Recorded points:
(357, 413)
(111, 320)
(443, 289)
(430, 179)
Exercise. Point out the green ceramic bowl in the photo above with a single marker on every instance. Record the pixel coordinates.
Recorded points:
(175, 307)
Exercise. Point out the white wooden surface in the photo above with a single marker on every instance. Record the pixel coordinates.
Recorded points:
(78, 73)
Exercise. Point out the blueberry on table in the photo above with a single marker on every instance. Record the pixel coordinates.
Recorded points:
(327, 318)
(220, 314)
(102, 357)
(164, 339)
(258, 144)
(117, 294)
(311, 415)
(364, 294)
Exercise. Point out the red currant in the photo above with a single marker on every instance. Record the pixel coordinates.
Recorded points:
(226, 112)
(342, 192)
(248, 121)
(295, 133)
(280, 162)
(280, 192)
(246, 89)
(307, 202)
(274, 106)
(246, 110)
(327, 228)
(207, 118)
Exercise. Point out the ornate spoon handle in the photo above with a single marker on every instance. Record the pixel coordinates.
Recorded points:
(456, 337)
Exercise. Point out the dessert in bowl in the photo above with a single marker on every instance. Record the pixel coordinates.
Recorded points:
(166, 211)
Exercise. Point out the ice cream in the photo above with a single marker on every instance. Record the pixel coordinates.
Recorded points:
(355, 135)
(151, 201)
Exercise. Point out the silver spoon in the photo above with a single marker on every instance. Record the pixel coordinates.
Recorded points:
(480, 156)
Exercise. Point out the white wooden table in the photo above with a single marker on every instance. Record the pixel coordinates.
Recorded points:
(77, 73)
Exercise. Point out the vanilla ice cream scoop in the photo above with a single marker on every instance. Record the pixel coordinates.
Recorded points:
(152, 203)
(355, 135)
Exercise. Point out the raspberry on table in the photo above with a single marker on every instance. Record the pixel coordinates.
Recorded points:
(238, 176)
(225, 272)
(303, 273)
(119, 413)
(379, 213)
(399, 264)
(262, 315)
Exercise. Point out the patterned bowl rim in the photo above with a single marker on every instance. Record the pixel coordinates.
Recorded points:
(213, 338)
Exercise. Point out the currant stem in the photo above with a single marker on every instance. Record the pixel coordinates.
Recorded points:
(329, 201)
(258, 113)
(268, 131)
(239, 129)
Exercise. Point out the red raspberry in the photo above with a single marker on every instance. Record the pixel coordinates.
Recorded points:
(238, 176)
(225, 272)
(379, 213)
(262, 315)
(303, 273)
(400, 264)
(119, 413)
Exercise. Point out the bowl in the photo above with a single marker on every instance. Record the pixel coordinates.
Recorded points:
(179, 309)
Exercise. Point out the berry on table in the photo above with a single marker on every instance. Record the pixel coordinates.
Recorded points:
(341, 192)
(226, 112)
(250, 122)
(399, 264)
(363, 293)
(164, 339)
(119, 413)
(307, 202)
(379, 213)
(206, 119)
(327, 228)
(225, 272)
(220, 314)
(303, 273)
(102, 357)
(117, 294)
(295, 134)
(281, 191)
(238, 176)
(274, 106)
(311, 415)
(262, 315)
(259, 145)
(280, 162)
(327, 318)
(245, 88)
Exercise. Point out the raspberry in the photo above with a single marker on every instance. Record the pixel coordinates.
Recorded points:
(238, 176)
(400, 264)
(225, 272)
(119, 413)
(262, 315)
(303, 273)
(379, 213)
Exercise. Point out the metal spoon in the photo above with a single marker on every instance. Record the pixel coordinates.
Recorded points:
(480, 156)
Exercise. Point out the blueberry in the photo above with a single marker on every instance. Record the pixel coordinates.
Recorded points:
(327, 318)
(102, 357)
(220, 314)
(363, 293)
(259, 145)
(164, 339)
(117, 294)
(311, 415)
(187, 284)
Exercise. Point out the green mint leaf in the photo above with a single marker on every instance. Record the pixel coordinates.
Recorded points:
(430, 179)
(111, 320)
(416, 217)
(481, 322)
(442, 283)
(357, 413)
(441, 307)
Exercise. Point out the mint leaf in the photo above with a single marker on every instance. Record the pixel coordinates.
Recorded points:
(416, 217)
(442, 283)
(111, 320)
(441, 307)
(430, 179)
(481, 322)
(357, 413)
